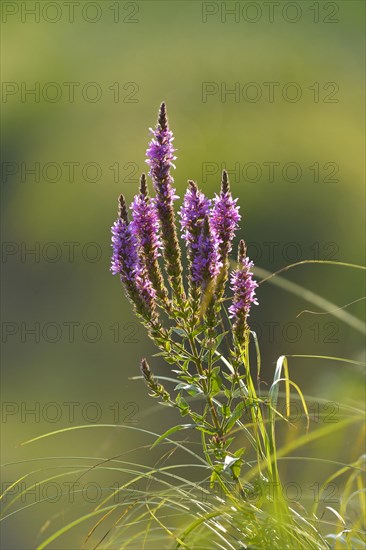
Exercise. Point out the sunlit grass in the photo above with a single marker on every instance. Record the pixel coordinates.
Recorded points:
(183, 505)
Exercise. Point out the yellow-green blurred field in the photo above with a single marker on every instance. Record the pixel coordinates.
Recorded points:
(277, 98)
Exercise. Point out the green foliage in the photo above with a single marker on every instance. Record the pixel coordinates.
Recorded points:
(238, 502)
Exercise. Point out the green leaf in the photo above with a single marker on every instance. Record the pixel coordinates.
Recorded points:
(219, 340)
(227, 393)
(225, 411)
(205, 429)
(196, 417)
(180, 332)
(236, 468)
(213, 478)
(185, 365)
(197, 331)
(171, 360)
(216, 383)
(170, 432)
(239, 453)
(191, 389)
(237, 413)
(182, 404)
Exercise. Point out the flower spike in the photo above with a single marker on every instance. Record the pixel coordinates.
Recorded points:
(126, 263)
(193, 213)
(145, 228)
(243, 285)
(160, 157)
(157, 390)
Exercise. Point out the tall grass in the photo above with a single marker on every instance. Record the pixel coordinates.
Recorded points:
(223, 495)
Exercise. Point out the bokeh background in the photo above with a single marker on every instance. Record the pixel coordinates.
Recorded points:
(121, 59)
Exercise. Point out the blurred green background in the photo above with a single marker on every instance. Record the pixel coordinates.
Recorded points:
(87, 343)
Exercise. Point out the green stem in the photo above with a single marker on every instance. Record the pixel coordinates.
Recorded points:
(204, 384)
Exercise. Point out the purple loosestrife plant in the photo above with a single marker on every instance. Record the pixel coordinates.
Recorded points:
(160, 157)
(207, 346)
(190, 342)
(240, 503)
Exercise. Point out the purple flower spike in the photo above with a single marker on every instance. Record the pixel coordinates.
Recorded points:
(146, 230)
(224, 222)
(202, 245)
(225, 217)
(160, 159)
(206, 263)
(145, 222)
(145, 289)
(243, 285)
(124, 257)
(193, 212)
(126, 263)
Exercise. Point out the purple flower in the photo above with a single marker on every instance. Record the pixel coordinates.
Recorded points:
(160, 157)
(202, 245)
(145, 288)
(124, 258)
(225, 217)
(127, 263)
(243, 285)
(145, 223)
(193, 212)
(206, 263)
(146, 230)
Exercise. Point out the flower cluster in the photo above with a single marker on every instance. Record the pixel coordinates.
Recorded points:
(243, 286)
(124, 251)
(196, 231)
(193, 212)
(225, 217)
(147, 257)
(208, 229)
(145, 223)
(126, 262)
(124, 258)
(160, 156)
(206, 263)
(145, 228)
